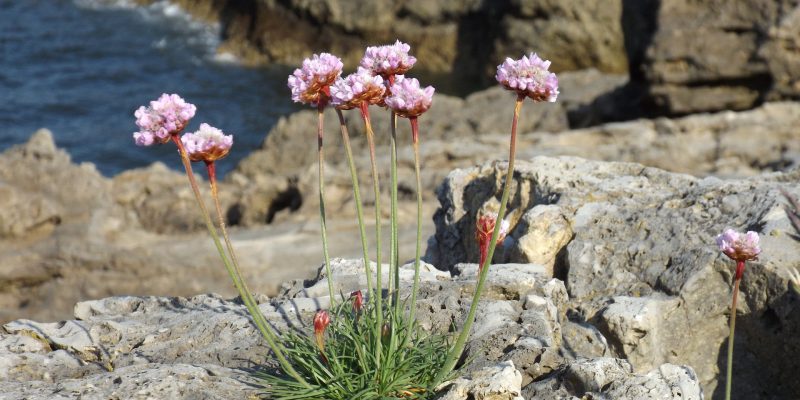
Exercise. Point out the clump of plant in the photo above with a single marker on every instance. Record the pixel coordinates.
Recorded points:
(368, 345)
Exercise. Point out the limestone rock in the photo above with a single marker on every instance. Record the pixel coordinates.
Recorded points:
(466, 38)
(500, 382)
(642, 264)
(713, 55)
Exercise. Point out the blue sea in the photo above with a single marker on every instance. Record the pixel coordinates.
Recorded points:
(81, 67)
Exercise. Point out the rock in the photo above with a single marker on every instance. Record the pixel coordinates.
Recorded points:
(642, 264)
(634, 326)
(543, 232)
(467, 39)
(612, 379)
(500, 382)
(697, 56)
(183, 348)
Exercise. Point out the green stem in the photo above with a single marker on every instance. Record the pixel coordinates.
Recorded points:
(377, 189)
(415, 288)
(323, 222)
(729, 375)
(458, 347)
(255, 312)
(357, 196)
(395, 261)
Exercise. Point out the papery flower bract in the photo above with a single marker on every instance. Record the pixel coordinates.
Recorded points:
(166, 116)
(738, 246)
(388, 60)
(358, 300)
(529, 77)
(207, 144)
(408, 99)
(310, 83)
(357, 88)
(321, 321)
(484, 229)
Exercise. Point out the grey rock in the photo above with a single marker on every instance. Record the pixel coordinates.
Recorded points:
(499, 382)
(697, 56)
(647, 235)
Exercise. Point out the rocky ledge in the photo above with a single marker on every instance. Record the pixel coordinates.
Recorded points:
(205, 347)
(609, 286)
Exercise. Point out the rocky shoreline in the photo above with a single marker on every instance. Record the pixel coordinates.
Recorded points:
(608, 285)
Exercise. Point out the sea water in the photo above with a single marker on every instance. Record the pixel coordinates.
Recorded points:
(81, 67)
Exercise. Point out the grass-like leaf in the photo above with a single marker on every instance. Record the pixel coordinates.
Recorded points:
(348, 369)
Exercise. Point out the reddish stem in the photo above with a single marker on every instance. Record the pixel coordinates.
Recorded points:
(414, 129)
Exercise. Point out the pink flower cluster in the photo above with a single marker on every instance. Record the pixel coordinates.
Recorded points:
(408, 99)
(310, 83)
(529, 76)
(318, 82)
(356, 89)
(164, 117)
(167, 117)
(388, 60)
(207, 144)
(738, 246)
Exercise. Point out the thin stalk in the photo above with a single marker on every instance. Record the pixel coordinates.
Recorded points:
(458, 347)
(255, 313)
(357, 196)
(415, 288)
(729, 375)
(322, 220)
(394, 265)
(377, 189)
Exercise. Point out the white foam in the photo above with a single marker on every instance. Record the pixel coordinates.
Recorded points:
(197, 33)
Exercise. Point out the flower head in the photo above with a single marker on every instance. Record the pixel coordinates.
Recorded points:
(164, 117)
(310, 83)
(358, 300)
(388, 60)
(529, 76)
(356, 89)
(484, 229)
(207, 144)
(738, 246)
(408, 99)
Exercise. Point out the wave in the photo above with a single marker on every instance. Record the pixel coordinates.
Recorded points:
(201, 35)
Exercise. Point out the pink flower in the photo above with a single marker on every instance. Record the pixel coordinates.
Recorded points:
(407, 99)
(485, 226)
(164, 117)
(356, 89)
(529, 76)
(388, 60)
(310, 83)
(207, 144)
(737, 246)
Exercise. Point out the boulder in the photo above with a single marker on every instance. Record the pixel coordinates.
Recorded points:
(641, 264)
(466, 38)
(696, 56)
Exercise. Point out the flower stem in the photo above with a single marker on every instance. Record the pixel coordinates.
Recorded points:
(458, 347)
(729, 375)
(323, 222)
(377, 189)
(252, 307)
(417, 254)
(394, 265)
(357, 196)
